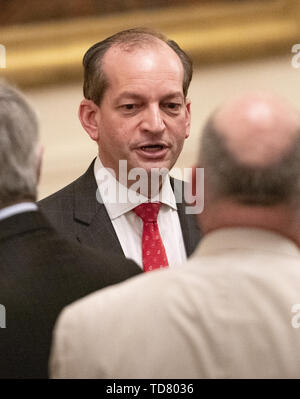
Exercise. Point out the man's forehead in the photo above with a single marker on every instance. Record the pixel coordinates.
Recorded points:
(120, 54)
(136, 45)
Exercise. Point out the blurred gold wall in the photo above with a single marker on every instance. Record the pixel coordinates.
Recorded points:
(69, 150)
(235, 45)
(215, 31)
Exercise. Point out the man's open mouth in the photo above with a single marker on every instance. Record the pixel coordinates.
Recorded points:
(152, 148)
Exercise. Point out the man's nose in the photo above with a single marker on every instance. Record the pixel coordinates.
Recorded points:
(152, 120)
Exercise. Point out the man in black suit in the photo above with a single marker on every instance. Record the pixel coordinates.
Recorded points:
(136, 110)
(40, 272)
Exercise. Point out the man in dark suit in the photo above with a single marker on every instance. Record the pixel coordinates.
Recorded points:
(40, 272)
(136, 109)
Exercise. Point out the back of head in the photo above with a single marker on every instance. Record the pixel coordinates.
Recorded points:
(18, 148)
(95, 82)
(250, 152)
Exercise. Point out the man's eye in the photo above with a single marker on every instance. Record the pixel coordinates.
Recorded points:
(129, 107)
(173, 106)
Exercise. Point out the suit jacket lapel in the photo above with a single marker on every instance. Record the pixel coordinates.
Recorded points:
(95, 227)
(189, 226)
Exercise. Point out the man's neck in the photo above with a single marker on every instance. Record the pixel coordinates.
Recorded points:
(279, 218)
(147, 183)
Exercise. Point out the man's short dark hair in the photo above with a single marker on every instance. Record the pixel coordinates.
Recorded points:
(228, 177)
(95, 81)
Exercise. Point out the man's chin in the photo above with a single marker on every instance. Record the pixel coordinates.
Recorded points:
(155, 168)
(137, 170)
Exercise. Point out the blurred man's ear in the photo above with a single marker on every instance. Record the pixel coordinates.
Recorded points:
(188, 118)
(87, 115)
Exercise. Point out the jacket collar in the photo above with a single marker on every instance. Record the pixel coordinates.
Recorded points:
(88, 205)
(22, 223)
(246, 238)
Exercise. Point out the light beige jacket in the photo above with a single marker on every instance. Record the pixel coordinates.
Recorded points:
(227, 313)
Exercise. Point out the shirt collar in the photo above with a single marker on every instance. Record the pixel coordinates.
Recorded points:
(107, 184)
(17, 208)
(246, 238)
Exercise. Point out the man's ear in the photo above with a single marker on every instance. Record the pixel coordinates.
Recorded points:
(188, 118)
(87, 114)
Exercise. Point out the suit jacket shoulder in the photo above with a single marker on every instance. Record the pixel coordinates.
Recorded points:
(40, 273)
(189, 224)
(77, 214)
(75, 200)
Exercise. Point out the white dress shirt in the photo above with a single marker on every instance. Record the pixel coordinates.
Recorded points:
(17, 208)
(129, 227)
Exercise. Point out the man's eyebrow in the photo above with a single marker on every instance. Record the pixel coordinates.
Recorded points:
(174, 95)
(136, 96)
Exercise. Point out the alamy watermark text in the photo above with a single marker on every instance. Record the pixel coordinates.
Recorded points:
(143, 184)
(296, 58)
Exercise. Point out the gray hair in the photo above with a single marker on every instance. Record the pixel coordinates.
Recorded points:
(269, 185)
(18, 147)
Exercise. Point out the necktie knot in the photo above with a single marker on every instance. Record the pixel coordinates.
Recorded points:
(148, 211)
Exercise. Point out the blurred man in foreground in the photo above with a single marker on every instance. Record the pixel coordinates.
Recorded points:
(40, 272)
(227, 313)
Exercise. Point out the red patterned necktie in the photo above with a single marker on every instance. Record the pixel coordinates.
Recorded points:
(153, 250)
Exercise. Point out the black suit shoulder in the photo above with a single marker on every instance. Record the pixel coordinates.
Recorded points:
(78, 215)
(72, 208)
(59, 207)
(40, 274)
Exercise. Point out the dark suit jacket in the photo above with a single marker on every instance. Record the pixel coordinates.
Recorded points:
(40, 273)
(76, 213)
